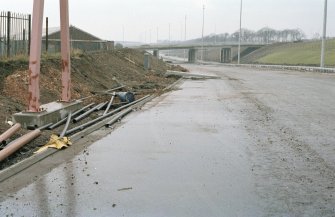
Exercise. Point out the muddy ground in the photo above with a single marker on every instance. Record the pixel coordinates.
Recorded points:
(91, 72)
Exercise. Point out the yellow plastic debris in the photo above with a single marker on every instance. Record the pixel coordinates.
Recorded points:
(55, 142)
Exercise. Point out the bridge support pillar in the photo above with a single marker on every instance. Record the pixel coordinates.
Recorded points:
(225, 55)
(156, 53)
(191, 55)
(147, 64)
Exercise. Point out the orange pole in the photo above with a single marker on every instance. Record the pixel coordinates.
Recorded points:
(18, 143)
(35, 56)
(65, 50)
(10, 132)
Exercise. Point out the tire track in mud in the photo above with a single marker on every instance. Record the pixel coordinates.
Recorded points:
(291, 177)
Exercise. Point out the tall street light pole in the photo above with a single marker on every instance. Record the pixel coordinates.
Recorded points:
(185, 36)
(185, 27)
(123, 35)
(324, 35)
(239, 37)
(203, 27)
(169, 38)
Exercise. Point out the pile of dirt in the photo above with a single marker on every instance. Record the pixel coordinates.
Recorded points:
(91, 72)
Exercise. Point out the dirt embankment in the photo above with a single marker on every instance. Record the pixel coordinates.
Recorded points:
(90, 73)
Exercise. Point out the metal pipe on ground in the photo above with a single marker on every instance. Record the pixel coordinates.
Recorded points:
(82, 109)
(10, 132)
(107, 91)
(12, 147)
(83, 126)
(44, 127)
(119, 104)
(109, 104)
(73, 115)
(82, 116)
(118, 88)
(120, 115)
(102, 105)
(103, 92)
(66, 125)
(126, 111)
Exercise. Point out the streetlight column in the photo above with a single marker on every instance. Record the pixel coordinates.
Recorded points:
(239, 38)
(169, 38)
(123, 35)
(185, 36)
(203, 27)
(324, 35)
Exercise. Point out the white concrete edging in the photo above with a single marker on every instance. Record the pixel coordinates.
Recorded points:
(284, 67)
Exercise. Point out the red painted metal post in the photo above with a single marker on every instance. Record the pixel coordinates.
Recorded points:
(65, 50)
(35, 56)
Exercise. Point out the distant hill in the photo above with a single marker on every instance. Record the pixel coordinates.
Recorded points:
(299, 53)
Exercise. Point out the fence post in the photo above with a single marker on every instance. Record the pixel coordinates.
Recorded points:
(46, 34)
(8, 33)
(29, 33)
(23, 41)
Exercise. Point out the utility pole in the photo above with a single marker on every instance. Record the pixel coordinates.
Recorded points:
(169, 33)
(150, 36)
(215, 34)
(181, 32)
(324, 36)
(157, 35)
(145, 36)
(239, 38)
(123, 34)
(185, 36)
(203, 27)
(185, 27)
(169, 38)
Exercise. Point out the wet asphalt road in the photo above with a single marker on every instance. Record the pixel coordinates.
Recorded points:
(253, 143)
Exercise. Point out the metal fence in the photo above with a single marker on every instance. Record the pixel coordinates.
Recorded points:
(15, 32)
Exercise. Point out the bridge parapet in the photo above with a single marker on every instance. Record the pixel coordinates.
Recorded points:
(195, 46)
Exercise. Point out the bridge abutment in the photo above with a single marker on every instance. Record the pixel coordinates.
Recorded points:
(156, 53)
(191, 55)
(147, 64)
(225, 55)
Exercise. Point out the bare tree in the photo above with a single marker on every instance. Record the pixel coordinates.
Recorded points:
(264, 35)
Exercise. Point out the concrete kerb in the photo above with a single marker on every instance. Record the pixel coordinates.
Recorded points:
(190, 75)
(173, 84)
(24, 164)
(283, 67)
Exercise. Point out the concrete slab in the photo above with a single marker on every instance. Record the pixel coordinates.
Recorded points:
(52, 113)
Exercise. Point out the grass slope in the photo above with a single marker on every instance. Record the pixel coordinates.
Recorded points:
(303, 53)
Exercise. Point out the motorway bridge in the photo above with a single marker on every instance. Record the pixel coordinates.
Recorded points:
(225, 49)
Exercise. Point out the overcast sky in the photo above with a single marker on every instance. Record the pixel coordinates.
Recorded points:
(107, 18)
